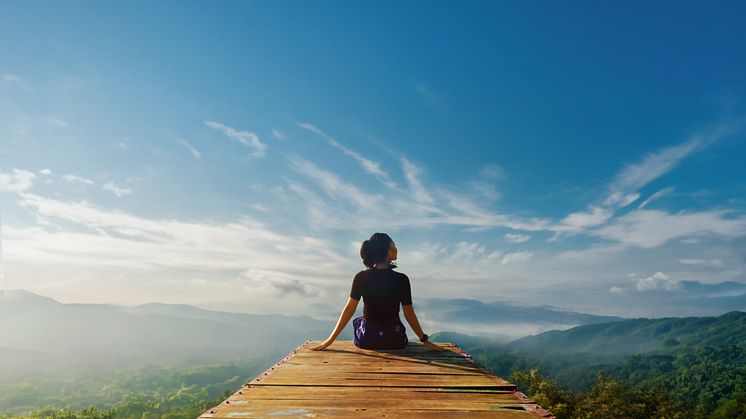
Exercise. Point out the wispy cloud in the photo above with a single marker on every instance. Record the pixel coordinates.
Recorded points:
(432, 99)
(517, 238)
(623, 189)
(116, 190)
(516, 257)
(652, 228)
(279, 135)
(412, 174)
(715, 263)
(197, 155)
(333, 185)
(368, 165)
(636, 175)
(580, 221)
(247, 138)
(78, 179)
(661, 193)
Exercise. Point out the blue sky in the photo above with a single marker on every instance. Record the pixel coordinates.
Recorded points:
(235, 155)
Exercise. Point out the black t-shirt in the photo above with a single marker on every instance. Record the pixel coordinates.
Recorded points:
(382, 291)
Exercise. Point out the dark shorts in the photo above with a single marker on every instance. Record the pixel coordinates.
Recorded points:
(375, 335)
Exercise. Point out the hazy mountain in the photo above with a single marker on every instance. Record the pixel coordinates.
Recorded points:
(637, 336)
(40, 334)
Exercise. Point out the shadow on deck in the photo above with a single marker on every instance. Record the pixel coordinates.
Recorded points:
(344, 380)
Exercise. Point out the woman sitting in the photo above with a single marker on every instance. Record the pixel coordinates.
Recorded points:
(382, 289)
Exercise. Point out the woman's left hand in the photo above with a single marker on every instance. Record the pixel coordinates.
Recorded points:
(322, 345)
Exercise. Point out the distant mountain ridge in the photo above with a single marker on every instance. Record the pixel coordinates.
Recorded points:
(60, 338)
(636, 336)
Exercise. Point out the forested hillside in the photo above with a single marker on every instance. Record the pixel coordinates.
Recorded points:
(673, 367)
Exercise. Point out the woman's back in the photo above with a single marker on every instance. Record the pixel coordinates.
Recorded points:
(382, 290)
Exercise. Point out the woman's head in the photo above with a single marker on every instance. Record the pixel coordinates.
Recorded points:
(378, 249)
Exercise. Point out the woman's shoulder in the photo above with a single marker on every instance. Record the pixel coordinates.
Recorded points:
(400, 275)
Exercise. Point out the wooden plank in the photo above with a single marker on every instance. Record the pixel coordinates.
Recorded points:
(246, 412)
(389, 393)
(344, 380)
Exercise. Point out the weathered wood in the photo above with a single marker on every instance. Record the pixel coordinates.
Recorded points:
(344, 380)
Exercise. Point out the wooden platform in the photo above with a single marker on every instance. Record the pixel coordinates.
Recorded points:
(346, 381)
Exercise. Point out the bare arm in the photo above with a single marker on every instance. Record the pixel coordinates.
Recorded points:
(411, 317)
(344, 317)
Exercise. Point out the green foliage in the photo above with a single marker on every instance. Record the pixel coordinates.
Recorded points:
(606, 398)
(681, 379)
(146, 392)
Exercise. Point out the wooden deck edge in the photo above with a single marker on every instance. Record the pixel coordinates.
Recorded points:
(524, 401)
(211, 411)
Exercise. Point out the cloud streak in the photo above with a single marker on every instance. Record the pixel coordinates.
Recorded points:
(247, 138)
(374, 168)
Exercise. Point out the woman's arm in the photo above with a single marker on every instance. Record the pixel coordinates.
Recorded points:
(344, 317)
(412, 320)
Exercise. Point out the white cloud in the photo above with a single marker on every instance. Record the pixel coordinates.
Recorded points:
(122, 145)
(652, 166)
(16, 181)
(111, 238)
(368, 165)
(197, 155)
(412, 174)
(45, 172)
(78, 179)
(652, 228)
(621, 200)
(247, 138)
(516, 257)
(616, 290)
(715, 263)
(580, 221)
(657, 281)
(120, 192)
(517, 238)
(278, 134)
(333, 185)
(661, 193)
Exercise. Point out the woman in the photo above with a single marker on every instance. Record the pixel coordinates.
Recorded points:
(382, 290)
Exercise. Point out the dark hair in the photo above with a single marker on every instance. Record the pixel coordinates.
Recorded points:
(375, 249)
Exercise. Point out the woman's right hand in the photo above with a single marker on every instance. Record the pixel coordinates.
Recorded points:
(322, 345)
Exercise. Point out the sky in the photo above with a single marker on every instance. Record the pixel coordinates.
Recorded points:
(234, 155)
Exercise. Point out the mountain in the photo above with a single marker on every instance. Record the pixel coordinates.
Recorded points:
(42, 335)
(638, 336)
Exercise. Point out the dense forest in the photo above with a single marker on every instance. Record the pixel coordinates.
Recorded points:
(137, 393)
(660, 368)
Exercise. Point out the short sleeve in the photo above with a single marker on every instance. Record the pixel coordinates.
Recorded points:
(357, 290)
(406, 291)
